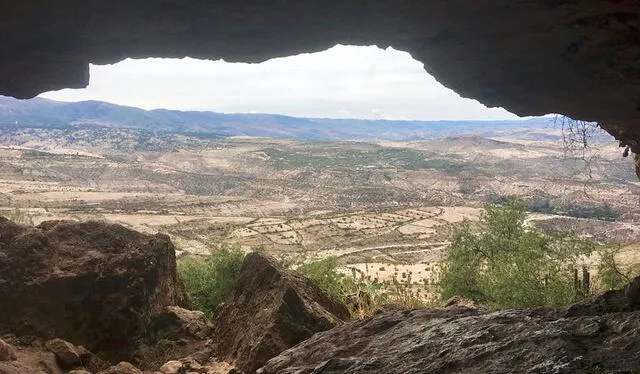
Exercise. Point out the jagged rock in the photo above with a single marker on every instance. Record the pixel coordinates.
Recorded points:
(171, 367)
(461, 340)
(176, 323)
(65, 352)
(7, 352)
(92, 283)
(30, 358)
(190, 366)
(79, 372)
(269, 310)
(122, 368)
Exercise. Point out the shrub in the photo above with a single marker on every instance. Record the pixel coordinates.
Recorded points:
(506, 264)
(325, 274)
(209, 280)
(611, 274)
(361, 294)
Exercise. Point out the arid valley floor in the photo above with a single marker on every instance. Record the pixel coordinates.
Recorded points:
(383, 208)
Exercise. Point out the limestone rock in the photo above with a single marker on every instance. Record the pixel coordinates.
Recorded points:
(122, 368)
(269, 310)
(91, 283)
(65, 352)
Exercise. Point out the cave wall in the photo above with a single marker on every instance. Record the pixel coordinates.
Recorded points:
(576, 57)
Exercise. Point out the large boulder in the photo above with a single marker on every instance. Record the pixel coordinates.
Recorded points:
(269, 310)
(92, 283)
(599, 335)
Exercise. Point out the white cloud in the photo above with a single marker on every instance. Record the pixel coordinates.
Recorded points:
(344, 81)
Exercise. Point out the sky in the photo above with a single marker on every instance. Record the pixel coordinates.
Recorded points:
(341, 82)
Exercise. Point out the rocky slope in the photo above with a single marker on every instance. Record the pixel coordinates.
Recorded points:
(107, 287)
(601, 335)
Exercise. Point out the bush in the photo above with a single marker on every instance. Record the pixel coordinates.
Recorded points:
(361, 295)
(505, 264)
(611, 274)
(208, 281)
(325, 274)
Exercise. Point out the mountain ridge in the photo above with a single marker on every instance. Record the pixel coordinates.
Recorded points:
(40, 112)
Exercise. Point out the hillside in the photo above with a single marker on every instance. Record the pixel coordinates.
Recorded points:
(40, 112)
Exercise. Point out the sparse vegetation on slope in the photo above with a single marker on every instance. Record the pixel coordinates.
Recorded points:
(362, 295)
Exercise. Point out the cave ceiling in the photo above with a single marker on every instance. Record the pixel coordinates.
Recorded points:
(580, 58)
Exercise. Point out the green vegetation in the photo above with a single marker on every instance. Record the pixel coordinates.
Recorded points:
(505, 264)
(602, 212)
(403, 158)
(361, 295)
(209, 280)
(611, 274)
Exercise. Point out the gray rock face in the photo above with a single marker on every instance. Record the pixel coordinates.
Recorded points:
(532, 57)
(445, 341)
(269, 310)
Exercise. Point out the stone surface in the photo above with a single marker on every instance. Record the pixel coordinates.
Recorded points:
(66, 353)
(79, 372)
(7, 352)
(171, 367)
(190, 366)
(90, 283)
(460, 341)
(122, 368)
(532, 57)
(270, 310)
(30, 357)
(176, 323)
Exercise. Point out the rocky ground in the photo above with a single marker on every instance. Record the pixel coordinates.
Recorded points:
(96, 298)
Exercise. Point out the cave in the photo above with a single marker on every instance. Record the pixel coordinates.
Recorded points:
(577, 58)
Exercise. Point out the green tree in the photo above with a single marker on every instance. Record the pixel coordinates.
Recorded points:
(504, 263)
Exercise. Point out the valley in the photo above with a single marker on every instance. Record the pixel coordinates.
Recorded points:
(384, 208)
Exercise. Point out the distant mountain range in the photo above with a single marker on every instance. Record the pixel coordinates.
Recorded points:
(45, 113)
